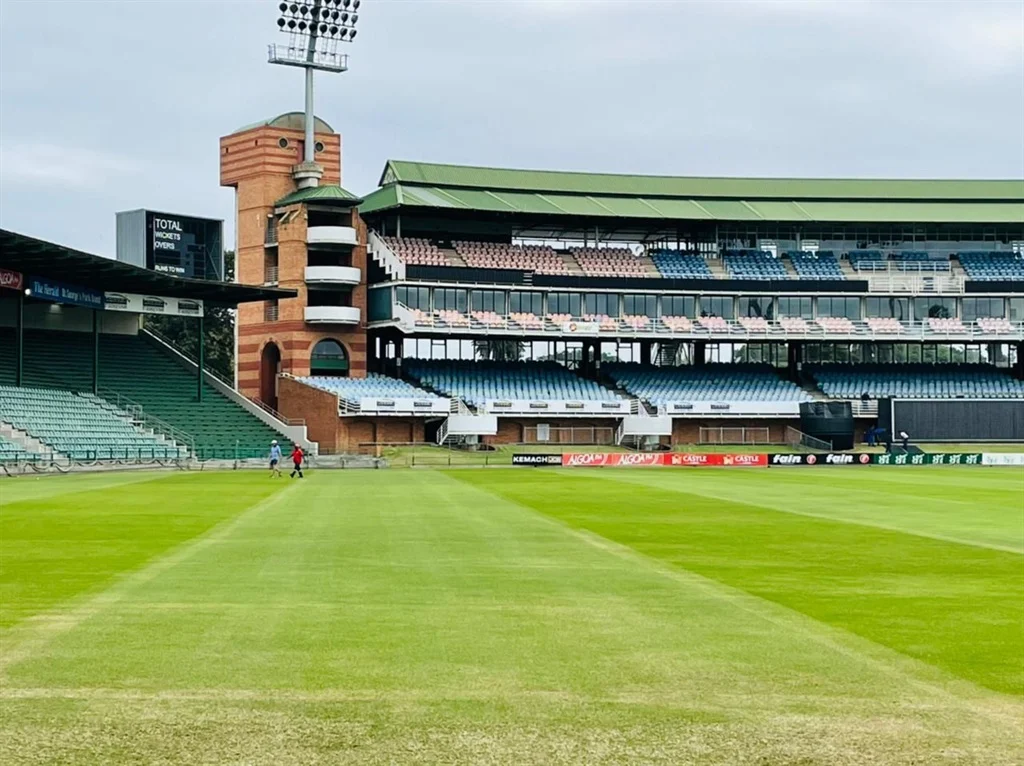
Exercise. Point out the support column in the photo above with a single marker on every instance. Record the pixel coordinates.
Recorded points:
(201, 357)
(19, 341)
(1020, 361)
(700, 348)
(95, 351)
(645, 352)
(795, 361)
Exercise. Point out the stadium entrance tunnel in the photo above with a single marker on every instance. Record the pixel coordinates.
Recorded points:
(270, 366)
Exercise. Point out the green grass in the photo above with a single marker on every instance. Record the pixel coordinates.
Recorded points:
(515, 616)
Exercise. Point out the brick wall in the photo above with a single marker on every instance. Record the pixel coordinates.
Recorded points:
(318, 408)
(687, 430)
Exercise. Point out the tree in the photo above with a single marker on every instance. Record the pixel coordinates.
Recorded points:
(182, 332)
(499, 350)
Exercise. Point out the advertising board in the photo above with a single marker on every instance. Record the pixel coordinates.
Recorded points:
(536, 459)
(152, 304)
(12, 280)
(62, 292)
(826, 458)
(1002, 458)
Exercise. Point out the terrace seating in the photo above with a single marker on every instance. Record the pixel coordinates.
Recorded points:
(146, 374)
(479, 382)
(919, 260)
(994, 324)
(868, 260)
(421, 317)
(715, 382)
(946, 325)
(677, 324)
(527, 321)
(884, 325)
(920, 381)
(491, 255)
(820, 265)
(606, 323)
(754, 324)
(675, 264)
(559, 319)
(452, 318)
(613, 262)
(11, 452)
(754, 264)
(637, 322)
(417, 252)
(994, 266)
(489, 318)
(81, 427)
(835, 324)
(794, 324)
(714, 324)
(371, 387)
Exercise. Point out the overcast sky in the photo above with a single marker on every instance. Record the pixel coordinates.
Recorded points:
(109, 105)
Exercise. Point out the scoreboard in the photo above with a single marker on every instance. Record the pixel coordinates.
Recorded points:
(184, 246)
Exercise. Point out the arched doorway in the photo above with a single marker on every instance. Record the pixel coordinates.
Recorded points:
(270, 366)
(329, 358)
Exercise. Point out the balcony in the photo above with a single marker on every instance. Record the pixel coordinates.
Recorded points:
(332, 315)
(332, 275)
(270, 275)
(331, 235)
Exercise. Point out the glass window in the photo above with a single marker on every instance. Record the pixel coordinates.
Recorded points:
(640, 305)
(601, 303)
(839, 307)
(941, 308)
(796, 306)
(488, 300)
(526, 303)
(1016, 309)
(450, 299)
(982, 307)
(755, 306)
(565, 303)
(716, 306)
(888, 307)
(678, 305)
(328, 358)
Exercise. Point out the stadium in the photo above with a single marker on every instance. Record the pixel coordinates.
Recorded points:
(637, 468)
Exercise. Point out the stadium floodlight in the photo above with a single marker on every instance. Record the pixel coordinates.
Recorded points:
(315, 29)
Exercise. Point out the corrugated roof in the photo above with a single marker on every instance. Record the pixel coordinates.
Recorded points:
(329, 194)
(289, 121)
(543, 181)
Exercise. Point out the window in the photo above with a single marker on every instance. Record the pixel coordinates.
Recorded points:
(716, 306)
(450, 299)
(1016, 309)
(839, 307)
(329, 358)
(888, 308)
(601, 303)
(565, 303)
(755, 306)
(640, 305)
(414, 297)
(678, 306)
(526, 303)
(270, 311)
(798, 306)
(940, 308)
(488, 300)
(973, 308)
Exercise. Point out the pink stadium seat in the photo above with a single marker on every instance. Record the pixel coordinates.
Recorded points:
(416, 252)
(754, 324)
(713, 323)
(677, 324)
(946, 325)
(994, 324)
(884, 325)
(835, 324)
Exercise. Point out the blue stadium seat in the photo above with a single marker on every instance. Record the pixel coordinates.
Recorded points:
(820, 265)
(916, 381)
(754, 264)
(715, 382)
(675, 264)
(867, 260)
(372, 386)
(993, 266)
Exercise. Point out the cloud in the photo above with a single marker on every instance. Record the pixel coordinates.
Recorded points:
(45, 164)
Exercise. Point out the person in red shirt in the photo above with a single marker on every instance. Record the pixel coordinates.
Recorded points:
(297, 456)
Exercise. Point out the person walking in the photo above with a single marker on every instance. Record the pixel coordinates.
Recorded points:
(275, 459)
(297, 457)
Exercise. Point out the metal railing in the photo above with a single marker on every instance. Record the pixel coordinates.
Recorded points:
(190, 357)
(277, 415)
(270, 236)
(796, 438)
(137, 413)
(270, 313)
(270, 275)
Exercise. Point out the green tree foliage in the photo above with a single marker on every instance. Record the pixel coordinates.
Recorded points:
(183, 332)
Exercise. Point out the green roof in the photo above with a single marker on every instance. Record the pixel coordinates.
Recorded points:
(324, 195)
(603, 195)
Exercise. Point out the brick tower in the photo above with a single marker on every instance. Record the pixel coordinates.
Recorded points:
(297, 231)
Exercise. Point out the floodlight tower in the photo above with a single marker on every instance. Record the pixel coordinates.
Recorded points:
(315, 29)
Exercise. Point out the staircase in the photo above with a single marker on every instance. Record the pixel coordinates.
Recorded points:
(717, 267)
(454, 259)
(571, 263)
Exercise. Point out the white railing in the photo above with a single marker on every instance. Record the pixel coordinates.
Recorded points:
(385, 256)
(730, 331)
(562, 408)
(901, 282)
(797, 438)
(730, 409)
(442, 433)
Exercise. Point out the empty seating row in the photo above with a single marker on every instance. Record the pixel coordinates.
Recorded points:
(989, 267)
(417, 252)
(371, 387)
(613, 262)
(79, 426)
(490, 255)
(12, 452)
(479, 382)
(916, 381)
(754, 264)
(717, 382)
(820, 265)
(678, 264)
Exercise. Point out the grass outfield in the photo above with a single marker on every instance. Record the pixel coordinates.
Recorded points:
(515, 616)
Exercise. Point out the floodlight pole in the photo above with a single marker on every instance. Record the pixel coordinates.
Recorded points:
(309, 150)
